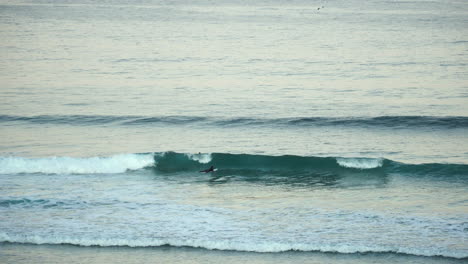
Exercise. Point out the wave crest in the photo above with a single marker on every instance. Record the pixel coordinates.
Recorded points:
(68, 165)
(203, 158)
(360, 163)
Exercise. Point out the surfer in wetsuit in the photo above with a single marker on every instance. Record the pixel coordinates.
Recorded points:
(211, 169)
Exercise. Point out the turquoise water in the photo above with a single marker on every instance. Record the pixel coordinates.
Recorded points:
(336, 126)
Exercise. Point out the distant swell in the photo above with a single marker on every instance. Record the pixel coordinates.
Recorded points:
(262, 247)
(443, 122)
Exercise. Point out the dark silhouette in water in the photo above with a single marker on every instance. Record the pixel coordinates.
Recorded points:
(211, 169)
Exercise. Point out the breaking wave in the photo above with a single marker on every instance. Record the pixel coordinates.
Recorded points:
(68, 165)
(227, 164)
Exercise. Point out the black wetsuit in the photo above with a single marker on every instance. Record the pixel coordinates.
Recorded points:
(208, 170)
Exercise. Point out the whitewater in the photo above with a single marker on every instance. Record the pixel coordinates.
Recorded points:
(339, 131)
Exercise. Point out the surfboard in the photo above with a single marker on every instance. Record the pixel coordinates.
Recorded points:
(210, 171)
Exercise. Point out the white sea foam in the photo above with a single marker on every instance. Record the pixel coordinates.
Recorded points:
(68, 165)
(241, 245)
(201, 157)
(360, 163)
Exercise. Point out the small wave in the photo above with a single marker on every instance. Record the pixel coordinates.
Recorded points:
(32, 202)
(21, 201)
(459, 42)
(387, 121)
(68, 165)
(64, 119)
(261, 247)
(175, 120)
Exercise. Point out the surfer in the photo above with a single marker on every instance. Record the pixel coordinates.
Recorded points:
(211, 169)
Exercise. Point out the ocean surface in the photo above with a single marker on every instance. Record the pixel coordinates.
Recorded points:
(339, 130)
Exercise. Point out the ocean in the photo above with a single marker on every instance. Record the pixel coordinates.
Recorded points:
(338, 130)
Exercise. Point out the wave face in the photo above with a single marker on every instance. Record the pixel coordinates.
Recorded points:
(67, 165)
(172, 162)
(444, 122)
(248, 164)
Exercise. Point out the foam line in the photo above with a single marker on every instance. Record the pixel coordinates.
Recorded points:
(262, 247)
